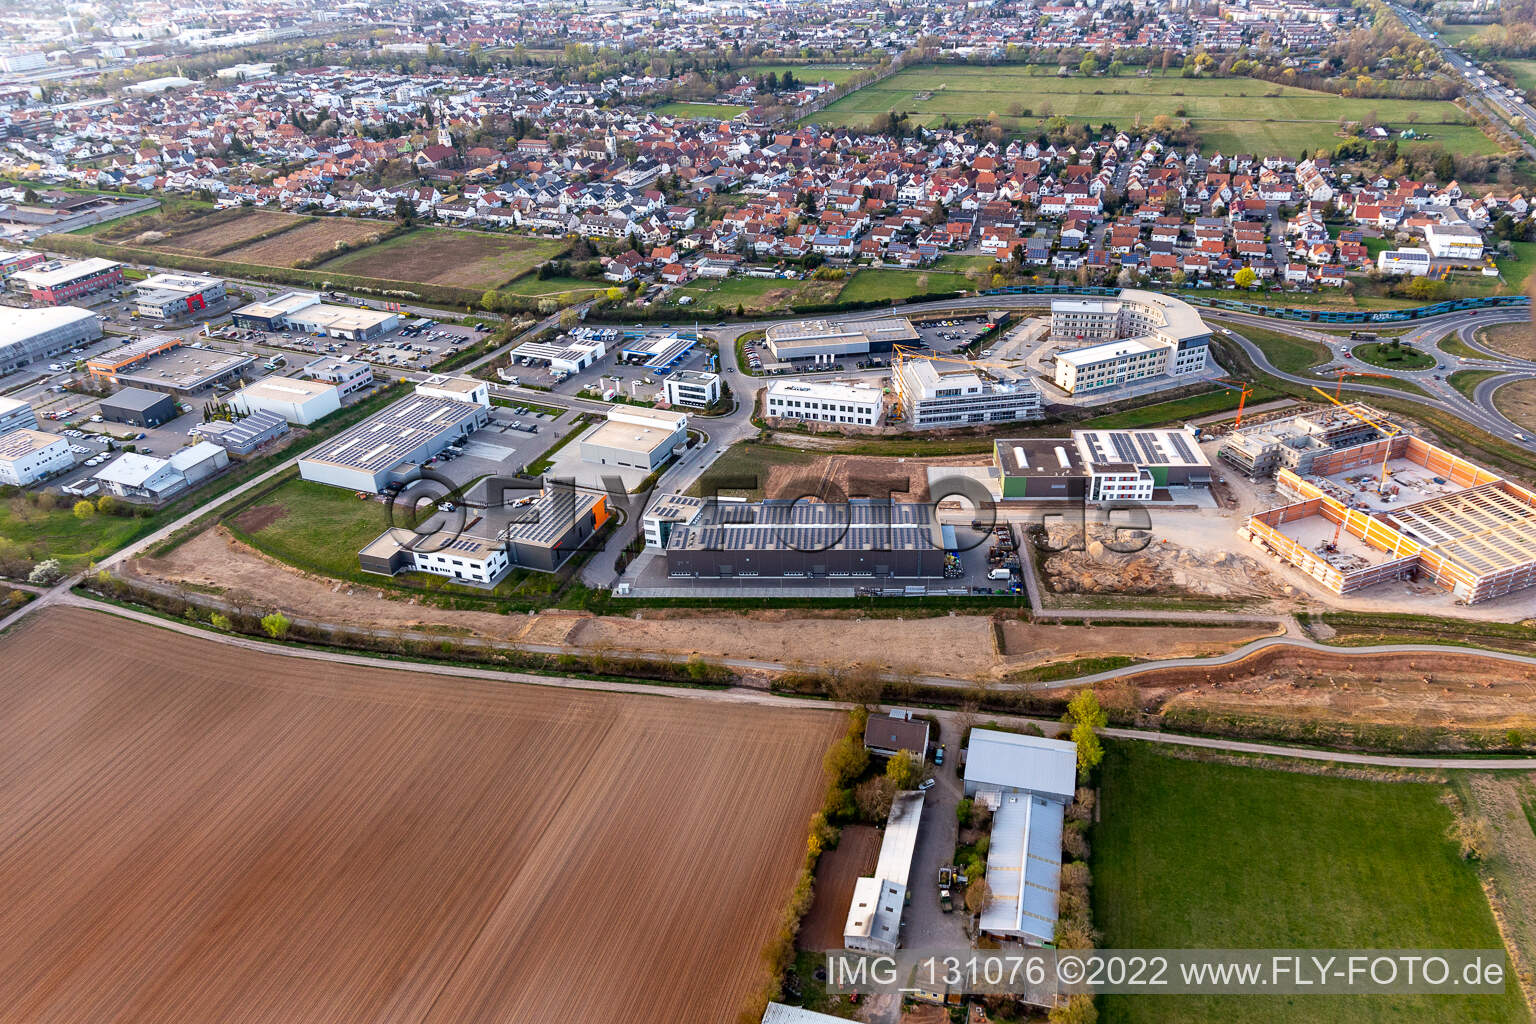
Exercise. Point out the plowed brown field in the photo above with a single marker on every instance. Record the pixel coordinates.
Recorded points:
(193, 832)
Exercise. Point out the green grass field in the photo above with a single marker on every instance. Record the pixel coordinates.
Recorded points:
(1286, 353)
(1517, 266)
(723, 111)
(896, 285)
(1196, 855)
(530, 284)
(36, 534)
(1231, 115)
(1393, 357)
(1454, 345)
(313, 526)
(754, 294)
(837, 74)
(1466, 381)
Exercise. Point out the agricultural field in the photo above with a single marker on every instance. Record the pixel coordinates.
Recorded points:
(308, 242)
(203, 832)
(837, 74)
(1517, 266)
(1231, 115)
(219, 232)
(1201, 855)
(466, 259)
(754, 294)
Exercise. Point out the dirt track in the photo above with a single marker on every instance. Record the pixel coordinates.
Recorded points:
(198, 833)
(953, 645)
(1414, 689)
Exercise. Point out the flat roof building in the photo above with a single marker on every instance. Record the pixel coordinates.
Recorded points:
(305, 311)
(460, 389)
(16, 414)
(635, 438)
(933, 397)
(1297, 442)
(567, 355)
(1135, 336)
(1102, 466)
(60, 281)
(168, 296)
(27, 335)
(825, 340)
(350, 375)
(164, 363)
(138, 407)
(847, 403)
(859, 538)
(27, 456)
(389, 446)
(296, 399)
(539, 534)
(692, 388)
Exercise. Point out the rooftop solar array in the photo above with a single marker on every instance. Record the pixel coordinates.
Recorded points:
(811, 526)
(381, 441)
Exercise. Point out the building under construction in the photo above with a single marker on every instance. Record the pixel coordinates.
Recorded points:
(1398, 508)
(1296, 442)
(949, 392)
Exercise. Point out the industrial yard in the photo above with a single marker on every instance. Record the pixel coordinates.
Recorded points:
(203, 833)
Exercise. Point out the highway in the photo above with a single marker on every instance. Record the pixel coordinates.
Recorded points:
(1480, 86)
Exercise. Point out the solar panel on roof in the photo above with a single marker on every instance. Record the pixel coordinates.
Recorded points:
(1123, 447)
(1181, 445)
(1149, 448)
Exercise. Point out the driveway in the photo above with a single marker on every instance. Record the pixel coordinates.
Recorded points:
(925, 925)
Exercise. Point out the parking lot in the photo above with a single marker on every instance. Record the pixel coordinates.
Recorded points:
(407, 347)
(632, 380)
(515, 438)
(949, 334)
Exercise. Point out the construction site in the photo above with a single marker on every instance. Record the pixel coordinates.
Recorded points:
(1389, 506)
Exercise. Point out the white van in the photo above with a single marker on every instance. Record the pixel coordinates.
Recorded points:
(1000, 574)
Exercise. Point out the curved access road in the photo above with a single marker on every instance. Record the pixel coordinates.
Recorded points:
(747, 696)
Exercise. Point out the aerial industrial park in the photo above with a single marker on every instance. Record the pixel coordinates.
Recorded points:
(776, 513)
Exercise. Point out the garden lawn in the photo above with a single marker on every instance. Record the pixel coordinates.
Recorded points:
(1196, 855)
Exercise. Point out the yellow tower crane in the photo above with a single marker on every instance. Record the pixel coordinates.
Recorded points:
(901, 354)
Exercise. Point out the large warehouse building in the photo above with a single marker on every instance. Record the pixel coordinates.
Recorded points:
(1135, 336)
(1437, 517)
(389, 446)
(1102, 466)
(27, 335)
(826, 340)
(899, 540)
(60, 281)
(1027, 782)
(164, 363)
(304, 311)
(296, 399)
(636, 438)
